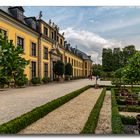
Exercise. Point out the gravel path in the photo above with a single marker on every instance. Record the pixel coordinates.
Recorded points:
(133, 114)
(70, 118)
(104, 122)
(15, 102)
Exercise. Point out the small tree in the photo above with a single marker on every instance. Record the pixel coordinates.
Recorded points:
(12, 64)
(59, 68)
(97, 69)
(131, 74)
(68, 69)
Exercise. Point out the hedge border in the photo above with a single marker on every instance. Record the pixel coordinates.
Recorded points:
(128, 120)
(129, 108)
(117, 126)
(92, 121)
(19, 123)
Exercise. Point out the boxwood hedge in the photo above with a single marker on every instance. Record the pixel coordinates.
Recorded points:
(128, 120)
(92, 121)
(117, 126)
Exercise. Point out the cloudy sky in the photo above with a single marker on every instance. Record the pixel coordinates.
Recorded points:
(94, 28)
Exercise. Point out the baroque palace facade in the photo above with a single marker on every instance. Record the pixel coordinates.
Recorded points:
(42, 43)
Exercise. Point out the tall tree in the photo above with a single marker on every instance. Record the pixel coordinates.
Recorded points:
(107, 62)
(128, 52)
(116, 58)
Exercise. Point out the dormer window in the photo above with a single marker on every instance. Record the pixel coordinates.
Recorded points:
(31, 21)
(20, 15)
(17, 12)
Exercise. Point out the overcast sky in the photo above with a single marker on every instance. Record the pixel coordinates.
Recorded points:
(93, 28)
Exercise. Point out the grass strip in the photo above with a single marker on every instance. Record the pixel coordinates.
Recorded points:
(117, 126)
(92, 121)
(19, 123)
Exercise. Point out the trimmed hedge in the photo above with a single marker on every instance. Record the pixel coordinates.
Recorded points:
(129, 108)
(92, 121)
(19, 123)
(121, 102)
(128, 120)
(117, 126)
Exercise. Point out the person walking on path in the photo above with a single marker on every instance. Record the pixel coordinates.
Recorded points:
(97, 77)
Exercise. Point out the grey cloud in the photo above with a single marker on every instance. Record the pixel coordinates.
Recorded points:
(89, 42)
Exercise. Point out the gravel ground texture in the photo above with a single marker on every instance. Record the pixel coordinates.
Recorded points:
(70, 118)
(130, 129)
(15, 102)
(104, 122)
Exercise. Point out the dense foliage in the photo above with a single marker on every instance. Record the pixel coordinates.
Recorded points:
(68, 69)
(12, 65)
(97, 70)
(131, 73)
(116, 58)
(117, 126)
(59, 68)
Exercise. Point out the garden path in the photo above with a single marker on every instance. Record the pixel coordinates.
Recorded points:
(133, 114)
(70, 118)
(104, 122)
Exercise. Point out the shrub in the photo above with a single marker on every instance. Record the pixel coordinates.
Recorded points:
(133, 108)
(3, 81)
(129, 108)
(117, 126)
(121, 102)
(128, 120)
(36, 80)
(67, 77)
(46, 80)
(21, 81)
(92, 121)
(19, 123)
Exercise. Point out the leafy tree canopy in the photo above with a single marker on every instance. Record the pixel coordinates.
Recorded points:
(12, 64)
(68, 69)
(131, 72)
(59, 68)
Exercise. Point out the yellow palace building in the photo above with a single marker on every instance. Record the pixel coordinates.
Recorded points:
(42, 43)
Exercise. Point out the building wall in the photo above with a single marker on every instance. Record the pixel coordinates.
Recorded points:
(13, 31)
(48, 45)
(76, 63)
